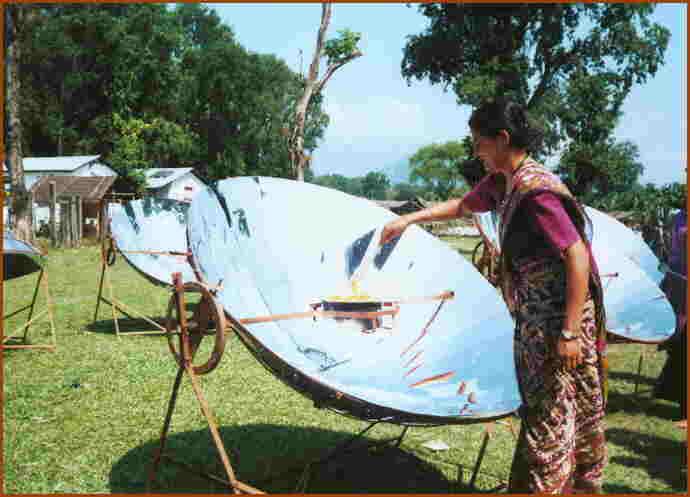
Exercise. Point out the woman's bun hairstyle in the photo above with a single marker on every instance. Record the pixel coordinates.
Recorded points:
(493, 116)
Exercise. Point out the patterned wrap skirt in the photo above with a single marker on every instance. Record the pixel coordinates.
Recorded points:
(561, 447)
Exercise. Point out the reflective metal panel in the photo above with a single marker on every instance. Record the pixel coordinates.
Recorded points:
(626, 242)
(151, 235)
(19, 258)
(278, 246)
(636, 309)
(487, 223)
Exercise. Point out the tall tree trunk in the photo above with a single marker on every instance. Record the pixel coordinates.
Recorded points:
(21, 198)
(298, 160)
(296, 142)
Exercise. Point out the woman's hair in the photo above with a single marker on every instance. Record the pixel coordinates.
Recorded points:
(502, 114)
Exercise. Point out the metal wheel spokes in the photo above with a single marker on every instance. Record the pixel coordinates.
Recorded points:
(184, 336)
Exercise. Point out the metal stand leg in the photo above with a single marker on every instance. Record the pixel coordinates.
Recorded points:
(116, 305)
(164, 431)
(42, 281)
(49, 307)
(188, 346)
(639, 368)
(33, 304)
(344, 448)
(100, 288)
(488, 431)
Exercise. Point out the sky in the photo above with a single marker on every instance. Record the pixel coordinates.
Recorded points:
(377, 120)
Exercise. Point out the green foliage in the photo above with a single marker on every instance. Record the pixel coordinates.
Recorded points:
(353, 186)
(375, 185)
(338, 49)
(438, 166)
(651, 205)
(571, 64)
(118, 389)
(156, 143)
(211, 102)
(593, 171)
(408, 191)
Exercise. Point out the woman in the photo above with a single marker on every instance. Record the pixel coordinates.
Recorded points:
(551, 285)
(673, 380)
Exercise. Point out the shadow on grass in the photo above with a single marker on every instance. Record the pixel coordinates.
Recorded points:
(134, 325)
(663, 458)
(641, 403)
(127, 325)
(631, 378)
(272, 458)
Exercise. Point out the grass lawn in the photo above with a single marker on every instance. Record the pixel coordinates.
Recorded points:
(86, 418)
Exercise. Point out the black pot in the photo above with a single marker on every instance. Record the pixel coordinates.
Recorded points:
(362, 306)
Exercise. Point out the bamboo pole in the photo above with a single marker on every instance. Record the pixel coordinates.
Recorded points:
(53, 208)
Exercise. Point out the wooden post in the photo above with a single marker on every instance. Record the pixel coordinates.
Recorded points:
(79, 220)
(63, 224)
(53, 206)
(75, 227)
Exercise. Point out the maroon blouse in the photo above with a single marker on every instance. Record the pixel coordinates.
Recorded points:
(541, 227)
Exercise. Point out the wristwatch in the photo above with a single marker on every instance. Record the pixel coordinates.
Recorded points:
(567, 335)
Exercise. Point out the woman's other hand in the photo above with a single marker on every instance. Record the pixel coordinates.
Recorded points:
(393, 229)
(569, 353)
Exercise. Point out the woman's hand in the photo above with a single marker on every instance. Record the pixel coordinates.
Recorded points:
(569, 353)
(393, 229)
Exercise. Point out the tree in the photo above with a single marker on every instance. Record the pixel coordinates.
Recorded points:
(16, 21)
(375, 185)
(407, 191)
(597, 170)
(338, 52)
(82, 63)
(438, 167)
(543, 56)
(144, 144)
(353, 186)
(239, 103)
(211, 103)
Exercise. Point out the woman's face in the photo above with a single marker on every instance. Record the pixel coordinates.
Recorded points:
(492, 151)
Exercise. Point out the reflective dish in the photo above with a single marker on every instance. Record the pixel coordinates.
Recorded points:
(19, 258)
(270, 247)
(636, 309)
(151, 235)
(621, 239)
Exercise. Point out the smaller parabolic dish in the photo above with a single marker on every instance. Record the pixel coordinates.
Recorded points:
(275, 247)
(636, 309)
(151, 234)
(487, 223)
(19, 258)
(626, 242)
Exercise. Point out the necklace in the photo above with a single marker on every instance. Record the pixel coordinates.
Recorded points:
(509, 184)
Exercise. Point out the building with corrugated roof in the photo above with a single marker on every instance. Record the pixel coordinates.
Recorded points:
(177, 183)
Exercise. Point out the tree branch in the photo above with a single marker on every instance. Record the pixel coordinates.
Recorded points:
(325, 20)
(334, 67)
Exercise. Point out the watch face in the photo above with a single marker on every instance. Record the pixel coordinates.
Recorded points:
(568, 335)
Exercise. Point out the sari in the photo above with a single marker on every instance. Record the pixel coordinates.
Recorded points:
(561, 445)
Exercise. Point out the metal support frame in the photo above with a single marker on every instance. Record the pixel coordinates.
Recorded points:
(489, 430)
(190, 334)
(42, 281)
(188, 345)
(107, 248)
